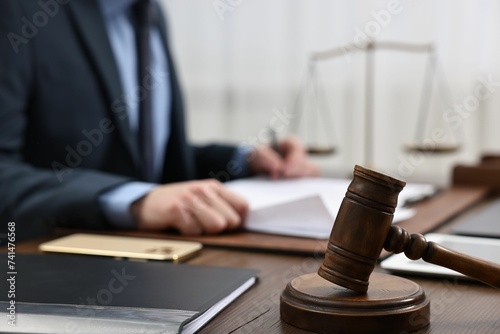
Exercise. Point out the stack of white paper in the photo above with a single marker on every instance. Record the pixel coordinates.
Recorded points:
(306, 207)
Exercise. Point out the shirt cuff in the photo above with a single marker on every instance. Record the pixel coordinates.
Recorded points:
(116, 203)
(240, 160)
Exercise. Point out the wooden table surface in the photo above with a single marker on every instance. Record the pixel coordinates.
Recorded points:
(456, 306)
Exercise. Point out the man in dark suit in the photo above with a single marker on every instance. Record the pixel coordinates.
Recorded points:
(69, 124)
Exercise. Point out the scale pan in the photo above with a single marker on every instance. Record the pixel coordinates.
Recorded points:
(432, 148)
(321, 150)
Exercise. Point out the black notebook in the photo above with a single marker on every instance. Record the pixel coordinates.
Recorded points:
(67, 293)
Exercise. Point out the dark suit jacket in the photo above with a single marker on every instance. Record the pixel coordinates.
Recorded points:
(64, 136)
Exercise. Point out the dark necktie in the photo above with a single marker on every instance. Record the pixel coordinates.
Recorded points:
(145, 17)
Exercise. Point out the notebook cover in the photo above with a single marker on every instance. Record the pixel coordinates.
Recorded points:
(86, 281)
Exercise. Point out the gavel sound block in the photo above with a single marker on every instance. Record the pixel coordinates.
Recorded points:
(344, 296)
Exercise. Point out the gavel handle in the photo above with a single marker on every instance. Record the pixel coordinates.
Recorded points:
(415, 247)
(484, 271)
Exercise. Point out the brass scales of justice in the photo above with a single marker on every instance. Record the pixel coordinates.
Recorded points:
(344, 296)
(311, 99)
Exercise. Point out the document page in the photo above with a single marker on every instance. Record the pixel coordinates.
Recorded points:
(306, 207)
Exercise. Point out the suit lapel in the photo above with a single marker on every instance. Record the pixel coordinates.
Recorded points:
(89, 23)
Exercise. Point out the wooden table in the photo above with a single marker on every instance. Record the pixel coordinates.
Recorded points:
(456, 306)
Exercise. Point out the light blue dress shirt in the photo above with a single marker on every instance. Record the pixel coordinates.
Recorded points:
(119, 18)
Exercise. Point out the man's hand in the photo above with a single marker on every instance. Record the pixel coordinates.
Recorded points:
(290, 162)
(194, 207)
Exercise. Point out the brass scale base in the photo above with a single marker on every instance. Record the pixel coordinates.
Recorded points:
(391, 305)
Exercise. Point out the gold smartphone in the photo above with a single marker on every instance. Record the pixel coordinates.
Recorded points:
(124, 247)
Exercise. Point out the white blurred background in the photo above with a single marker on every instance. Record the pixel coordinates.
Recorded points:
(241, 64)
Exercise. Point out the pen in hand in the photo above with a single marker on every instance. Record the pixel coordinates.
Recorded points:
(286, 158)
(274, 142)
(275, 146)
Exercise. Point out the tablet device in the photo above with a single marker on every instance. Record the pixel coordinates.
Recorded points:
(483, 248)
(485, 223)
(124, 247)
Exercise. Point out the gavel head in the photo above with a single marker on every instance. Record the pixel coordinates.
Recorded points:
(360, 229)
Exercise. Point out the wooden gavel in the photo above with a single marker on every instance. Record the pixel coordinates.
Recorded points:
(364, 226)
